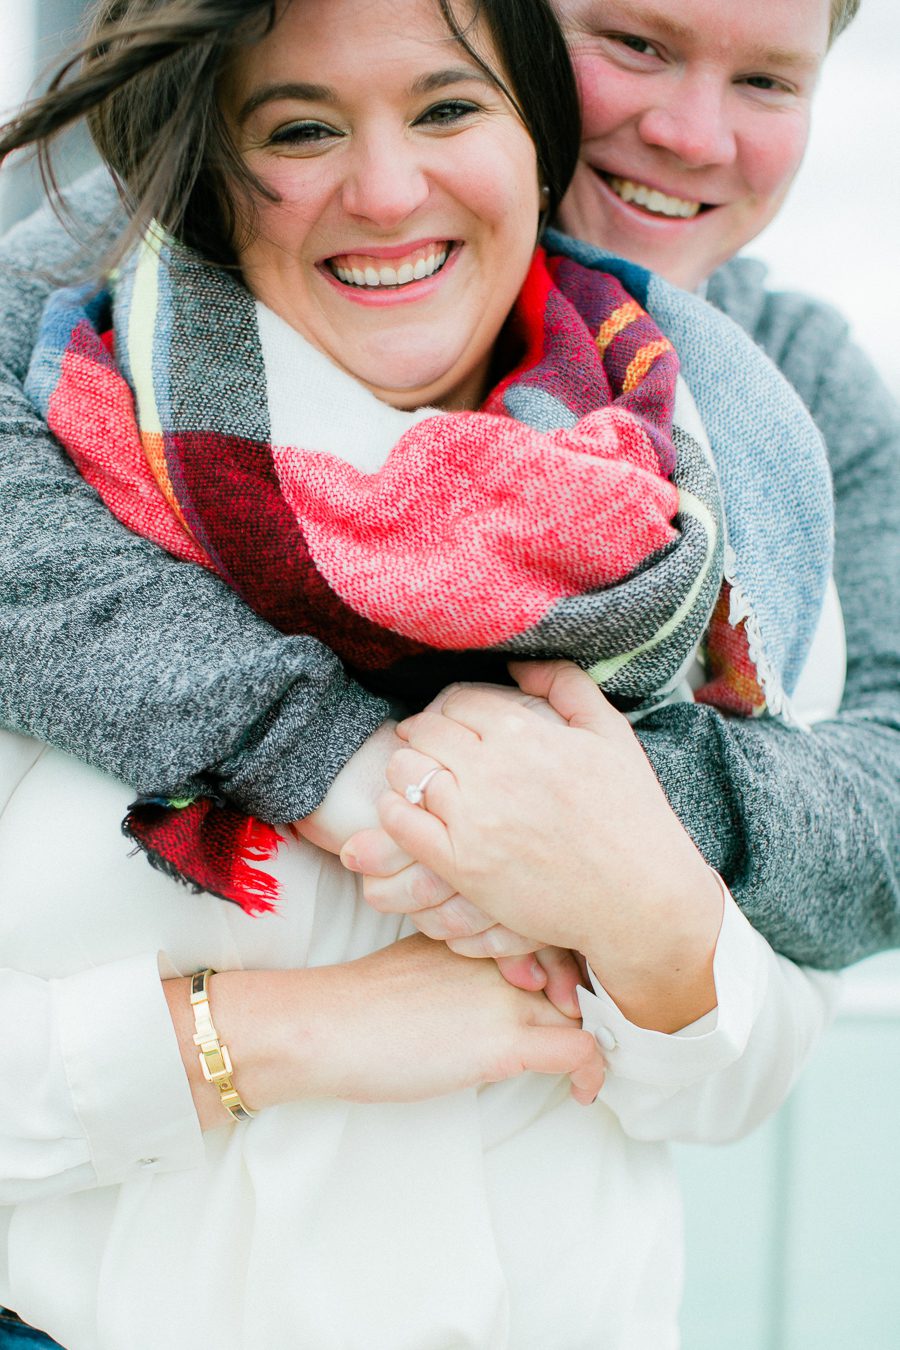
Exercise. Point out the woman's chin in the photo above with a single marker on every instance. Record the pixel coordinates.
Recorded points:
(409, 385)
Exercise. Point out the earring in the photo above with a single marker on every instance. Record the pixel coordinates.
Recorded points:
(545, 193)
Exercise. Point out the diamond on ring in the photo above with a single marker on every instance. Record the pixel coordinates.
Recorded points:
(415, 793)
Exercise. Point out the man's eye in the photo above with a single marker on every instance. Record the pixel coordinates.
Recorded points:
(767, 83)
(303, 134)
(635, 43)
(447, 114)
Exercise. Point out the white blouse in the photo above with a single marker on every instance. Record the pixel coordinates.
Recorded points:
(505, 1218)
(502, 1218)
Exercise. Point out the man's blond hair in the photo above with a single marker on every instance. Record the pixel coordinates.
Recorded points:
(842, 11)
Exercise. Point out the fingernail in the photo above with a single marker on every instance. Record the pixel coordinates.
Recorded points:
(351, 862)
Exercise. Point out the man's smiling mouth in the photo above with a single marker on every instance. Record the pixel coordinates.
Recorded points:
(651, 200)
(360, 269)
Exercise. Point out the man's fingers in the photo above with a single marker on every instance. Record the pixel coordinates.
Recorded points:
(375, 853)
(413, 890)
(455, 918)
(493, 942)
(588, 1080)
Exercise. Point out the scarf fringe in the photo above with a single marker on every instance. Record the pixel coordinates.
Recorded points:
(778, 702)
(253, 890)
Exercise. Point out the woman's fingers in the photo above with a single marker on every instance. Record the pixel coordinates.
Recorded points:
(452, 742)
(468, 715)
(411, 773)
(522, 972)
(563, 976)
(569, 1051)
(421, 834)
(569, 690)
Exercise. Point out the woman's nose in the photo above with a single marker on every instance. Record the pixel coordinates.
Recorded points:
(693, 123)
(385, 182)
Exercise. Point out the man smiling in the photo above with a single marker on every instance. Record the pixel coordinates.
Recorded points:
(695, 121)
(696, 117)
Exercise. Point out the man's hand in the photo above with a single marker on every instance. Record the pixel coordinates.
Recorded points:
(563, 833)
(393, 884)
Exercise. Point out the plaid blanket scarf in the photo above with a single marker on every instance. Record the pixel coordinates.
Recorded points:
(568, 517)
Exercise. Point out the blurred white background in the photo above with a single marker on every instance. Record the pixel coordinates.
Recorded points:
(838, 237)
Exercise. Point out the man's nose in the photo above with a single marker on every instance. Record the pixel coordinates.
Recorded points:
(693, 122)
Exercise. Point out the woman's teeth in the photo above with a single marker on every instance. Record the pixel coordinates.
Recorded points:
(356, 269)
(651, 200)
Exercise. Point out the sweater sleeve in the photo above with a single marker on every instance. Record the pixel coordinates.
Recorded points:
(110, 649)
(805, 826)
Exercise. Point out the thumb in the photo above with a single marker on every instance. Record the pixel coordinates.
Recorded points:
(559, 1050)
(568, 689)
(375, 853)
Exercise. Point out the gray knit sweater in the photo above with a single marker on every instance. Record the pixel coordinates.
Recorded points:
(156, 672)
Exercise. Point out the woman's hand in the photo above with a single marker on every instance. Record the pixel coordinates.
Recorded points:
(406, 1023)
(350, 806)
(393, 886)
(564, 833)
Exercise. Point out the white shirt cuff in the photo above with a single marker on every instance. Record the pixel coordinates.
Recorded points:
(740, 972)
(125, 1072)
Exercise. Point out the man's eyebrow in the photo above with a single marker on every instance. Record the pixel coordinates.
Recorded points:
(780, 57)
(268, 93)
(662, 21)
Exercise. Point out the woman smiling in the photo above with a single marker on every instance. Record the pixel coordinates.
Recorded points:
(435, 157)
(334, 369)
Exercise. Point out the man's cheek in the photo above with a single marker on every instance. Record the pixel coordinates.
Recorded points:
(596, 91)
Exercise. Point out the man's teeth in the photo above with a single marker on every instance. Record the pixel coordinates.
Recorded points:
(651, 200)
(358, 270)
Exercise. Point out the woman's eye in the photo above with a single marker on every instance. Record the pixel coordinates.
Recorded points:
(300, 134)
(447, 114)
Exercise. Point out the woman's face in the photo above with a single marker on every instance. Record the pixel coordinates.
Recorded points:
(407, 191)
(696, 117)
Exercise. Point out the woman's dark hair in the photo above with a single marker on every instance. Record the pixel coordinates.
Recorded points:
(146, 82)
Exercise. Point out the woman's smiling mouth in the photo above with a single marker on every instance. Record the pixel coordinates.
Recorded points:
(370, 271)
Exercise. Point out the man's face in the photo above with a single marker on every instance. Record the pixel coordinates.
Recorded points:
(696, 117)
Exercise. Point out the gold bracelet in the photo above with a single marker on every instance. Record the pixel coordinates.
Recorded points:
(215, 1060)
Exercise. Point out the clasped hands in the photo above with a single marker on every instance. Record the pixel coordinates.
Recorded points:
(546, 832)
(395, 882)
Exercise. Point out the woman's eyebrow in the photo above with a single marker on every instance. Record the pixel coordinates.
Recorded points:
(268, 93)
(324, 93)
(441, 79)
